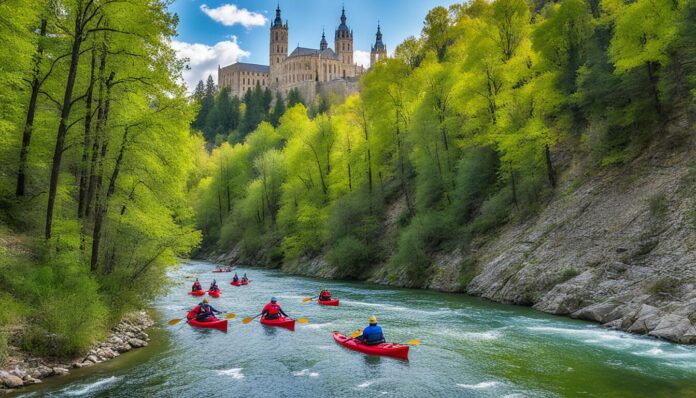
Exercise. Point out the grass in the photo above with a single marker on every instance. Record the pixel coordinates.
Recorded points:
(657, 206)
(568, 274)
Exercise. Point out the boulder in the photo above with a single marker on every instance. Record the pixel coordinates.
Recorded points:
(671, 327)
(598, 312)
(137, 343)
(689, 337)
(124, 348)
(30, 380)
(42, 372)
(58, 371)
(93, 359)
(10, 380)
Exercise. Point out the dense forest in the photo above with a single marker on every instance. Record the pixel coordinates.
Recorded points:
(96, 156)
(454, 136)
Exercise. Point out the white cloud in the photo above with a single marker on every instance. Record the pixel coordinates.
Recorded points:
(362, 58)
(230, 15)
(203, 60)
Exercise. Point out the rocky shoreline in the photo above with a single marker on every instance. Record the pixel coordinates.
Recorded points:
(22, 370)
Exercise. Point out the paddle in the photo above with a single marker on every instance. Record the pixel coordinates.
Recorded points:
(303, 321)
(309, 299)
(173, 322)
(249, 319)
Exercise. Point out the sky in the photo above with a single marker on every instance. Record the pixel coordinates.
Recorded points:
(216, 33)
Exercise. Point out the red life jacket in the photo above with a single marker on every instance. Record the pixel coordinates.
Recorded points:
(272, 309)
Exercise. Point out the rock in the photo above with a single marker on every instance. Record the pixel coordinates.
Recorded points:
(671, 327)
(689, 337)
(613, 325)
(77, 365)
(93, 358)
(597, 312)
(137, 343)
(30, 380)
(19, 372)
(124, 348)
(42, 372)
(115, 340)
(10, 380)
(58, 371)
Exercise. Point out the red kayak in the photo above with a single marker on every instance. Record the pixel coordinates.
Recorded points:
(245, 283)
(214, 293)
(198, 293)
(384, 349)
(238, 283)
(329, 302)
(213, 323)
(282, 322)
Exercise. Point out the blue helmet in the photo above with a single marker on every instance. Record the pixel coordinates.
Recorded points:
(273, 299)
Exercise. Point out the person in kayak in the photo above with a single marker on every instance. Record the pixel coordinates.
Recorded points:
(196, 286)
(235, 278)
(272, 310)
(372, 334)
(325, 295)
(213, 286)
(205, 312)
(244, 278)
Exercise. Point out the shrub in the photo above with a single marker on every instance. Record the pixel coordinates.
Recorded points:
(568, 274)
(657, 206)
(350, 255)
(476, 174)
(494, 212)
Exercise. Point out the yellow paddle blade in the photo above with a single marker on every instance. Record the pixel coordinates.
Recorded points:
(174, 322)
(247, 320)
(304, 300)
(356, 334)
(414, 342)
(231, 316)
(303, 321)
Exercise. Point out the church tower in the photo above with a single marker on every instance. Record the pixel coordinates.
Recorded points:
(379, 50)
(344, 44)
(279, 45)
(323, 45)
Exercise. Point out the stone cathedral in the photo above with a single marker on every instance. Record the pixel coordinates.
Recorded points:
(311, 71)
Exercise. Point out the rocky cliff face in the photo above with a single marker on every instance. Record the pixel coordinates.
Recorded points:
(619, 249)
(615, 246)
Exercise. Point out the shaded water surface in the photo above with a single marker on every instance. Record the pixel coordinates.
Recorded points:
(470, 348)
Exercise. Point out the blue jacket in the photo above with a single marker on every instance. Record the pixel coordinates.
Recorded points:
(372, 335)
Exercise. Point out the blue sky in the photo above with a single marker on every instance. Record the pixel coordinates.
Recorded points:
(221, 32)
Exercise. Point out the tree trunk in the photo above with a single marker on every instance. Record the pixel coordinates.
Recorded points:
(84, 165)
(98, 132)
(549, 167)
(103, 206)
(514, 188)
(63, 125)
(31, 112)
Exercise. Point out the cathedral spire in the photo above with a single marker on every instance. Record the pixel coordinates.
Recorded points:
(323, 45)
(278, 22)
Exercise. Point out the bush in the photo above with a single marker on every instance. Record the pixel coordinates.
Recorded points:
(476, 174)
(69, 314)
(657, 206)
(351, 256)
(568, 274)
(416, 242)
(3, 348)
(494, 212)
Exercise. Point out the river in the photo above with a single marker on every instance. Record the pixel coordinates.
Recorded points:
(470, 348)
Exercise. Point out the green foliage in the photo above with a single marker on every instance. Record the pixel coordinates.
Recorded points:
(657, 205)
(568, 274)
(462, 126)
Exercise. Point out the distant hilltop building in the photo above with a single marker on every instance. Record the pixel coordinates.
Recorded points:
(311, 71)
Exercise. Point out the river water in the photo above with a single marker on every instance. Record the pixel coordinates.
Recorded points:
(470, 348)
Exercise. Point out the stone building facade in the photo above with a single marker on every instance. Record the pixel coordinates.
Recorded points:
(310, 71)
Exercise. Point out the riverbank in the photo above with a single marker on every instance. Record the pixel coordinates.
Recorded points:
(22, 370)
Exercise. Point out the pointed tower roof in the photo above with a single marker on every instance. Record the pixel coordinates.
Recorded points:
(379, 44)
(278, 22)
(343, 29)
(323, 45)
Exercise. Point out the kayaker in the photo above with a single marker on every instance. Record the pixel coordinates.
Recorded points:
(272, 310)
(372, 334)
(196, 286)
(325, 295)
(244, 278)
(235, 278)
(205, 311)
(213, 286)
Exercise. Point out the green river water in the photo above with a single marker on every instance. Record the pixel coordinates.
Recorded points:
(470, 348)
